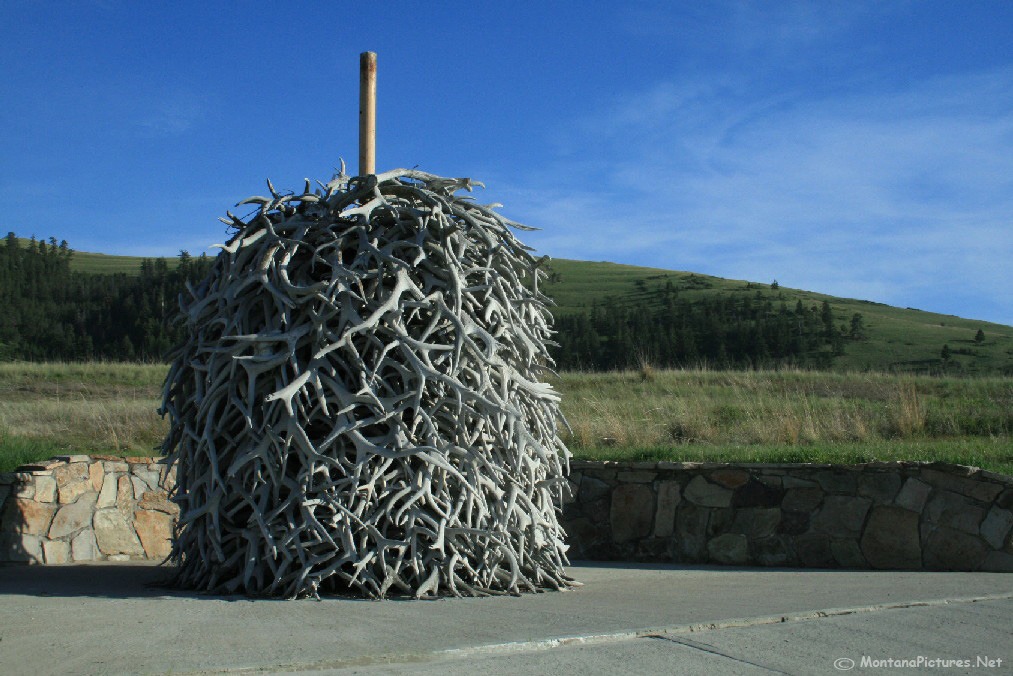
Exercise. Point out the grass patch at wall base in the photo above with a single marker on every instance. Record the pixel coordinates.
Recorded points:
(991, 454)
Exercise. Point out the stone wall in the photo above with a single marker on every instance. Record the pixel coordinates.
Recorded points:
(86, 508)
(904, 515)
(901, 515)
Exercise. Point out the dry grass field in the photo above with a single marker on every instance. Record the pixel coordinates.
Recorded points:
(789, 416)
(754, 416)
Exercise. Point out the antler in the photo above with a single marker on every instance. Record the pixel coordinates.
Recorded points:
(357, 403)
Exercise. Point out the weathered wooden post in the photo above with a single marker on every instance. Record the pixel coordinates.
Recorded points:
(367, 113)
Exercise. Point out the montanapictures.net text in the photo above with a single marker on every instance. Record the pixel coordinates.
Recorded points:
(930, 662)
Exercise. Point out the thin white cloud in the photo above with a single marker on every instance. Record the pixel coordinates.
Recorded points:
(748, 26)
(172, 116)
(868, 193)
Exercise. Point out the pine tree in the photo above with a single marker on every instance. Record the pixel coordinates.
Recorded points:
(857, 326)
(827, 317)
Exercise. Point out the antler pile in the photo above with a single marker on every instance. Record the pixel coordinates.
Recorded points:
(357, 404)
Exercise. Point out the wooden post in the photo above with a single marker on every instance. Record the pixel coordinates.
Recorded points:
(367, 113)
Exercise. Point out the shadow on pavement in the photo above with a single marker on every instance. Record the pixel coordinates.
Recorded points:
(717, 568)
(146, 580)
(98, 580)
(122, 581)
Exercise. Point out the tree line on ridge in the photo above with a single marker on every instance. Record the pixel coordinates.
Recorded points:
(50, 312)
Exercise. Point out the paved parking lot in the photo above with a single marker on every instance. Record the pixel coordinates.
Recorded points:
(627, 618)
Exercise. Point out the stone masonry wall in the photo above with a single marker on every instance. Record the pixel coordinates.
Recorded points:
(86, 508)
(901, 515)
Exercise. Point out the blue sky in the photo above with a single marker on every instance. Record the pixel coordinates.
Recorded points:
(858, 149)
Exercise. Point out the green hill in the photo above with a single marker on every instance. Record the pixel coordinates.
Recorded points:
(894, 338)
(106, 264)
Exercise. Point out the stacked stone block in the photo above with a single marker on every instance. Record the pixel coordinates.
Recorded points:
(86, 508)
(898, 515)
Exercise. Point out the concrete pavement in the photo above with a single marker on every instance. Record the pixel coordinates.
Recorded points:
(627, 618)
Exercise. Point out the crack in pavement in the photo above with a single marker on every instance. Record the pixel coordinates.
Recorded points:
(672, 633)
(819, 614)
(707, 648)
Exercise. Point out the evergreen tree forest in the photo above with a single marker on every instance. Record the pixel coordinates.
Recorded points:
(721, 331)
(49, 312)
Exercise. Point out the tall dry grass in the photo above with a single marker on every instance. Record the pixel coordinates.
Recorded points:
(778, 407)
(115, 426)
(47, 409)
(87, 407)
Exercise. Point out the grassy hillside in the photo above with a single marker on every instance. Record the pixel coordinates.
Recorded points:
(106, 264)
(897, 339)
